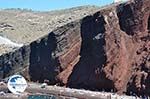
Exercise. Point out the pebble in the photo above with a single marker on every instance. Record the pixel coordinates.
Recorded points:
(2, 93)
(43, 85)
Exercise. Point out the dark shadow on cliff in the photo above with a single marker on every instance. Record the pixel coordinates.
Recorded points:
(87, 73)
(134, 91)
(126, 19)
(43, 66)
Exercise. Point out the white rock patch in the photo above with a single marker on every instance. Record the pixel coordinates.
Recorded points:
(8, 42)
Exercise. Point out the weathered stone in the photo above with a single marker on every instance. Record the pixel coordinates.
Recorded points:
(108, 50)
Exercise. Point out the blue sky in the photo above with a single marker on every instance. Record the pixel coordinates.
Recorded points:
(45, 5)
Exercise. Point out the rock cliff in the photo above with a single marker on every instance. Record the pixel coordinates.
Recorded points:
(108, 50)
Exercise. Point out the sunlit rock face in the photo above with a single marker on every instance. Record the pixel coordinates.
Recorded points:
(108, 50)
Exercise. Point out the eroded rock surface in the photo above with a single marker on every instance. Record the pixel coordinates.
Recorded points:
(108, 50)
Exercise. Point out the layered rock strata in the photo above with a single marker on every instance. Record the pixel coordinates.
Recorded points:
(108, 50)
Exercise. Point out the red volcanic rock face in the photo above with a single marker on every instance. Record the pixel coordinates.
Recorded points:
(114, 53)
(109, 50)
(137, 45)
